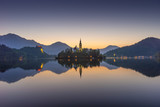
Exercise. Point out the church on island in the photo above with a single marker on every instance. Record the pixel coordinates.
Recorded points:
(80, 53)
(75, 49)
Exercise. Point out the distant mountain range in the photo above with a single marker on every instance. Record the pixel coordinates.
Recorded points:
(17, 42)
(108, 48)
(147, 47)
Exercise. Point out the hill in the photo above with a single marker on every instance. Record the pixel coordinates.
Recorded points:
(108, 48)
(146, 47)
(7, 53)
(17, 42)
(55, 48)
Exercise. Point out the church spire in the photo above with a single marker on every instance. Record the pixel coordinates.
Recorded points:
(80, 45)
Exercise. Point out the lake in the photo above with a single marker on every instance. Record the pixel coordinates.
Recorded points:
(61, 83)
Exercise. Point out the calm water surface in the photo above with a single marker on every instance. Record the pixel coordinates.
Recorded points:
(106, 83)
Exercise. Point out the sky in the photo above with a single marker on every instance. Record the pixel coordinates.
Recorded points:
(98, 23)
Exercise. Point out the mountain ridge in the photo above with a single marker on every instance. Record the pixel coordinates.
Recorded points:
(108, 48)
(15, 41)
(146, 47)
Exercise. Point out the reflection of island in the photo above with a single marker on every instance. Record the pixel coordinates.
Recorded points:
(81, 63)
(148, 67)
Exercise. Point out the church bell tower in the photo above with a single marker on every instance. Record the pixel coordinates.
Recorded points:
(80, 46)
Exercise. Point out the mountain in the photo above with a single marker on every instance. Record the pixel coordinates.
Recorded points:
(147, 47)
(17, 42)
(55, 48)
(108, 48)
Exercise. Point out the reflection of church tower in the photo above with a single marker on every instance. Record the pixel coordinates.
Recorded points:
(80, 46)
(80, 70)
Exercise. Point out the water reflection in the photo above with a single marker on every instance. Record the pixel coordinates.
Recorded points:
(12, 71)
(147, 67)
(74, 63)
(96, 83)
(26, 65)
(16, 70)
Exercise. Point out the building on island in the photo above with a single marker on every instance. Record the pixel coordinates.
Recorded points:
(75, 49)
(80, 46)
(40, 48)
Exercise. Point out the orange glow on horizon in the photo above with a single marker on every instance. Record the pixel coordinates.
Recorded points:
(94, 44)
(94, 41)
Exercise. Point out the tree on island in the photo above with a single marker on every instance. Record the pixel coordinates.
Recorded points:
(157, 56)
(85, 53)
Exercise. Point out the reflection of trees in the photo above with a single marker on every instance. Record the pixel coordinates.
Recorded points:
(74, 63)
(25, 64)
(80, 63)
(147, 67)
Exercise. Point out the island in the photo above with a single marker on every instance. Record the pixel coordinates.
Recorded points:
(77, 54)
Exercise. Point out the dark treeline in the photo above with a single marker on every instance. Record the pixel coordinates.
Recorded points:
(7, 53)
(76, 54)
(74, 63)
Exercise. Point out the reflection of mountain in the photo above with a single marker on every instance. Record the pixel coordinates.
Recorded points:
(11, 71)
(147, 67)
(109, 66)
(15, 71)
(15, 41)
(16, 74)
(55, 67)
